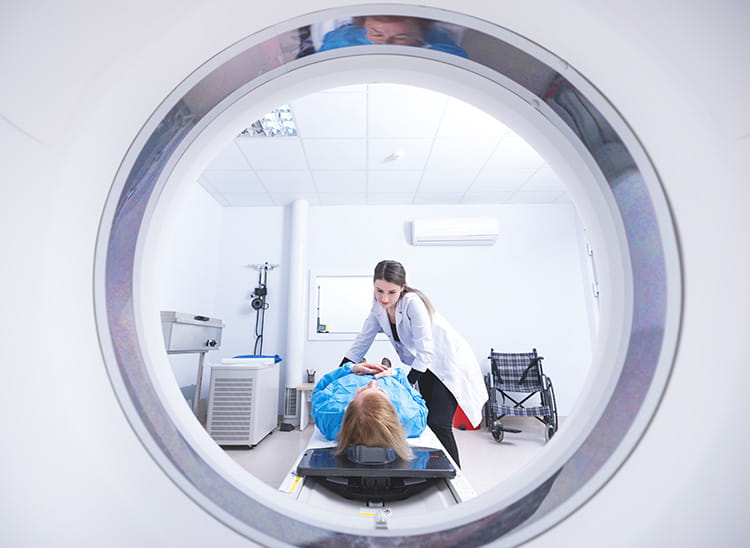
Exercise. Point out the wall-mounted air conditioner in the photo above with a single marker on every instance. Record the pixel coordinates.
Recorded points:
(455, 231)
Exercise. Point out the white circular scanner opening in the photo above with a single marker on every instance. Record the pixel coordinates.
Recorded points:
(613, 185)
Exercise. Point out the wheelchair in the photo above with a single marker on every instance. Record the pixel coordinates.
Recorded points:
(519, 373)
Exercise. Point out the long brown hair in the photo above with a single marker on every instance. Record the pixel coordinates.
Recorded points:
(395, 273)
(371, 420)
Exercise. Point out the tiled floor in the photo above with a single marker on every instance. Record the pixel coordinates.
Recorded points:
(485, 461)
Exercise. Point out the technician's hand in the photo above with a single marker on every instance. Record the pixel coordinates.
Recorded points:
(387, 372)
(366, 368)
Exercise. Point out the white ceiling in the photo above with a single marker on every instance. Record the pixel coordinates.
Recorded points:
(450, 153)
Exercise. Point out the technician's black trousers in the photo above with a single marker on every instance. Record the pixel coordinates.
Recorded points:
(441, 407)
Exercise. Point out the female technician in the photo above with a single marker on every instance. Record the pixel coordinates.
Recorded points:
(442, 363)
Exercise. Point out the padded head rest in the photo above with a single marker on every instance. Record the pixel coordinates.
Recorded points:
(361, 454)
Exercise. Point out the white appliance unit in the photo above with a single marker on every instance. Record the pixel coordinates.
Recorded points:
(243, 400)
(455, 231)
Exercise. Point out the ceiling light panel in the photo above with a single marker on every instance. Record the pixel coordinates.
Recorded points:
(277, 123)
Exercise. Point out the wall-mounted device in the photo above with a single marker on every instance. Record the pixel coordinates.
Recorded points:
(455, 231)
(259, 304)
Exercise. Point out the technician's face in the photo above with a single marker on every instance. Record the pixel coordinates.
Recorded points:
(387, 293)
(403, 33)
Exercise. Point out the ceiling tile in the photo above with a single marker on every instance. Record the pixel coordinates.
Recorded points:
(393, 181)
(456, 152)
(331, 115)
(514, 152)
(537, 197)
(497, 197)
(492, 180)
(340, 181)
(544, 179)
(413, 153)
(389, 198)
(205, 183)
(449, 151)
(464, 120)
(335, 154)
(343, 198)
(396, 111)
(233, 181)
(447, 180)
(221, 199)
(228, 158)
(273, 152)
(247, 199)
(438, 197)
(287, 181)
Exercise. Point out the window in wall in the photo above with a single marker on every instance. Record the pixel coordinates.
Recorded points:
(338, 306)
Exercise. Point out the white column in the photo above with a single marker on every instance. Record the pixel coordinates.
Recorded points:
(296, 313)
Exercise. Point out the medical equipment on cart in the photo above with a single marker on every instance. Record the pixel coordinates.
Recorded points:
(189, 334)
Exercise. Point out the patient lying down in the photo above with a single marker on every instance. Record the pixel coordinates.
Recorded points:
(371, 405)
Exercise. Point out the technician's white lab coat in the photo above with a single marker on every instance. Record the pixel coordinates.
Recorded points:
(428, 344)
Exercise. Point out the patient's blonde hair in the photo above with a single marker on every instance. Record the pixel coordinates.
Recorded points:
(372, 421)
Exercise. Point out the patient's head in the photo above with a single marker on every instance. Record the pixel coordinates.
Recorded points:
(371, 420)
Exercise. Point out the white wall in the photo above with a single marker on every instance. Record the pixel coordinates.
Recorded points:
(526, 291)
(188, 271)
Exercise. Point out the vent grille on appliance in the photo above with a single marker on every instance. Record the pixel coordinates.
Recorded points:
(290, 402)
(232, 409)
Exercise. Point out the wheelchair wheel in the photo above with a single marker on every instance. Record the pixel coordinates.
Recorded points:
(550, 426)
(550, 421)
(497, 431)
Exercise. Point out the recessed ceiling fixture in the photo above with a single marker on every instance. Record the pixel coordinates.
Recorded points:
(277, 123)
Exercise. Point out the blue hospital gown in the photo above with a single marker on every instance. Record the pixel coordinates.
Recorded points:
(336, 389)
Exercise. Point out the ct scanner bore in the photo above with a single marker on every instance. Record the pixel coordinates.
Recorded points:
(707, 334)
(642, 233)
